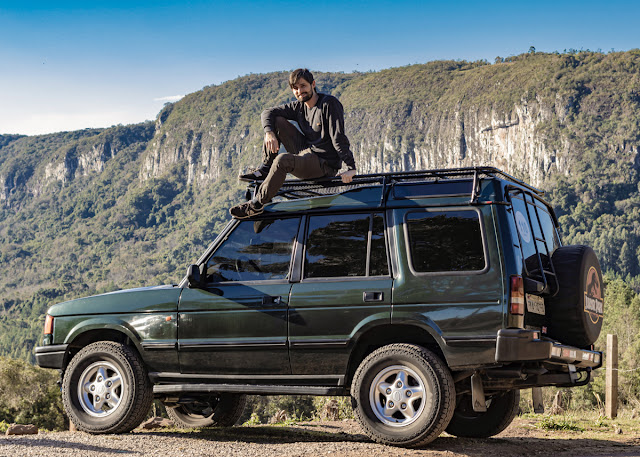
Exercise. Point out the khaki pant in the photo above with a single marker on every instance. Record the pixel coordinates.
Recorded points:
(298, 160)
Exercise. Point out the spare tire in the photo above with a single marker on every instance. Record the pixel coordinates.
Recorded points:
(576, 312)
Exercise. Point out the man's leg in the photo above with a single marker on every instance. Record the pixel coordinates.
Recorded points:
(292, 140)
(303, 166)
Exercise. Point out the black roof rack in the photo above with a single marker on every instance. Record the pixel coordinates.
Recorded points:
(295, 189)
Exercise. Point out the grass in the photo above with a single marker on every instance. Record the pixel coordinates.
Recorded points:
(559, 423)
(586, 422)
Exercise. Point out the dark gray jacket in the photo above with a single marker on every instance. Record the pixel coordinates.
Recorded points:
(322, 126)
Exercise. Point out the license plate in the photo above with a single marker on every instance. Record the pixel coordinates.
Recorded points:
(535, 304)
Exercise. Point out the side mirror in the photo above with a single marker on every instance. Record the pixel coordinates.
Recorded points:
(193, 276)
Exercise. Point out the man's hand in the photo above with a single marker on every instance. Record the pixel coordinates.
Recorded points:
(271, 142)
(347, 176)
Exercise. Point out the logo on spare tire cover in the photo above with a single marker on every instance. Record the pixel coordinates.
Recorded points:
(593, 302)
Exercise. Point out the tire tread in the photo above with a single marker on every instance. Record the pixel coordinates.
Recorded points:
(447, 401)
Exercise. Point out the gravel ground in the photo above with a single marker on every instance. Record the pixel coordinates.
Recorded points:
(313, 439)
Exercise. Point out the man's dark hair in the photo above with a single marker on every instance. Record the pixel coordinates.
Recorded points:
(300, 73)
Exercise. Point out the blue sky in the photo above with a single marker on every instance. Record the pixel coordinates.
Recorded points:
(67, 65)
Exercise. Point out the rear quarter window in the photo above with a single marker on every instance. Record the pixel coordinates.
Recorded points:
(445, 241)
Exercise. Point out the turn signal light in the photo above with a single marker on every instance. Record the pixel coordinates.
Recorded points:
(48, 325)
(516, 299)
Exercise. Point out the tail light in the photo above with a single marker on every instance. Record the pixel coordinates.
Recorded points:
(516, 298)
(48, 325)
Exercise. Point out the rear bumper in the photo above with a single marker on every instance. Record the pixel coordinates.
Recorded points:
(51, 356)
(518, 345)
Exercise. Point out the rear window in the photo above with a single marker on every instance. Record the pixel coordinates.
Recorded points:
(445, 241)
(535, 233)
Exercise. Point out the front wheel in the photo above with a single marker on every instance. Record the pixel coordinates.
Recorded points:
(403, 395)
(106, 389)
(501, 410)
(222, 411)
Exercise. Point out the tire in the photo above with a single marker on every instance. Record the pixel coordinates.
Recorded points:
(222, 411)
(403, 395)
(501, 410)
(576, 312)
(118, 393)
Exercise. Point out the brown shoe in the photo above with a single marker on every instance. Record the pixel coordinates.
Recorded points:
(246, 210)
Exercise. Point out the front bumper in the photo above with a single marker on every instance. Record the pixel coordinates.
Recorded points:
(518, 345)
(51, 356)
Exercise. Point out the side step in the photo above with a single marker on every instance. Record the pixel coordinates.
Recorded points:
(247, 389)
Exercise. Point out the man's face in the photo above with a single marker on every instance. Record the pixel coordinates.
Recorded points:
(302, 90)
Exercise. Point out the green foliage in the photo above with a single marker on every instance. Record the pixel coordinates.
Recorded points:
(559, 423)
(29, 395)
(263, 408)
(254, 419)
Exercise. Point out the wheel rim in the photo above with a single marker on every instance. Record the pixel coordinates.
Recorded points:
(398, 395)
(100, 389)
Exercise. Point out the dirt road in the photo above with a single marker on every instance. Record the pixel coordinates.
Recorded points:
(311, 439)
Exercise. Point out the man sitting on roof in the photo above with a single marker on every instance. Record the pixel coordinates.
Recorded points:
(317, 150)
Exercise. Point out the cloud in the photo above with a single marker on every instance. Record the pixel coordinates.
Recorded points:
(170, 98)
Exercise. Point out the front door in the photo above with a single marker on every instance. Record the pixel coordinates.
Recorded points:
(236, 324)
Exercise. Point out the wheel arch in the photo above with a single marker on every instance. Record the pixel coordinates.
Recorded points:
(91, 331)
(382, 335)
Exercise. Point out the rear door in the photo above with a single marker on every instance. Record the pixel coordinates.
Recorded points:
(345, 288)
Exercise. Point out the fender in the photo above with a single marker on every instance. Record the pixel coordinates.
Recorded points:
(422, 322)
(375, 320)
(105, 323)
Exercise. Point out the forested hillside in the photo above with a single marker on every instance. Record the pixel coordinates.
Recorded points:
(102, 209)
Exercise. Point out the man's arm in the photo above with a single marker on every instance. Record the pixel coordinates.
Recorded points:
(268, 119)
(339, 139)
(268, 116)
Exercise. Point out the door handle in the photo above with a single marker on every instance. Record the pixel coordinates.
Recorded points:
(373, 296)
(269, 300)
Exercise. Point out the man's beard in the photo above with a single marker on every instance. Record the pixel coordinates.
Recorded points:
(305, 97)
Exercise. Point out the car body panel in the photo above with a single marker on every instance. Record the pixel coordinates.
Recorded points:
(229, 329)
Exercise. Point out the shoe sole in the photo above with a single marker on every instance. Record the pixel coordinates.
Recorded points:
(245, 217)
(241, 178)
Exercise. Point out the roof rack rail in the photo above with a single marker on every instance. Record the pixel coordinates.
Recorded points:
(295, 189)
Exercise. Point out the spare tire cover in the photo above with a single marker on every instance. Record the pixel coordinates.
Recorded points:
(576, 311)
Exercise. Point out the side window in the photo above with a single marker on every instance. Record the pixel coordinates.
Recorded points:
(442, 241)
(254, 251)
(345, 245)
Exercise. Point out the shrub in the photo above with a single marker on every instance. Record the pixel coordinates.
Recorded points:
(29, 395)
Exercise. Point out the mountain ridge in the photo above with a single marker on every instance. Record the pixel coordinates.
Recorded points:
(99, 209)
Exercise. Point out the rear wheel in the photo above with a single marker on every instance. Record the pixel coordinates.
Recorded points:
(403, 395)
(221, 411)
(501, 410)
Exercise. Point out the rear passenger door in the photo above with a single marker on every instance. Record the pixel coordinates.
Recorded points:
(345, 287)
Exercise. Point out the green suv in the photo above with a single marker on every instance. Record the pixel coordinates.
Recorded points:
(429, 297)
